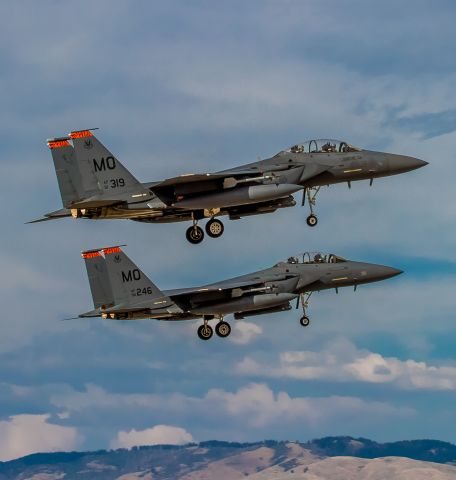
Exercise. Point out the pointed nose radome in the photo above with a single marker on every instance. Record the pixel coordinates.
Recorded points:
(382, 272)
(392, 272)
(402, 163)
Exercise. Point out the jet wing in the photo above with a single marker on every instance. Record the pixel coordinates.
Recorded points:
(215, 287)
(201, 177)
(232, 288)
(252, 170)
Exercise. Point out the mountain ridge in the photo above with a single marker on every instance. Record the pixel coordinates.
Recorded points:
(268, 459)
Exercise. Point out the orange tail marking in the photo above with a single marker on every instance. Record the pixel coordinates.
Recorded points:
(90, 254)
(58, 144)
(81, 134)
(109, 250)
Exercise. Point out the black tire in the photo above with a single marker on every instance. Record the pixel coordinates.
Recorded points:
(304, 321)
(194, 234)
(214, 228)
(312, 220)
(223, 329)
(205, 332)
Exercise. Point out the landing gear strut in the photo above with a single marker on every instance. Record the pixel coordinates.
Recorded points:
(205, 331)
(214, 228)
(304, 300)
(222, 329)
(311, 193)
(195, 234)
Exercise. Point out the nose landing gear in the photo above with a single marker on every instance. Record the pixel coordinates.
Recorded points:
(312, 220)
(304, 300)
(311, 193)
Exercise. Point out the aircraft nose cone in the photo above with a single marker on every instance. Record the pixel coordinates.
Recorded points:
(392, 272)
(402, 163)
(382, 272)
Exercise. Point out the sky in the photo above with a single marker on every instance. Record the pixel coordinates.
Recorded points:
(179, 87)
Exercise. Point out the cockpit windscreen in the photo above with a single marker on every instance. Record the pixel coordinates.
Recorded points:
(323, 146)
(316, 257)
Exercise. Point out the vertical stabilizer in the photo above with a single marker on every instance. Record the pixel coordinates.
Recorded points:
(101, 172)
(100, 285)
(129, 284)
(66, 169)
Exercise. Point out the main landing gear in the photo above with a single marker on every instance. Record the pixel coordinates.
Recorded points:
(311, 193)
(214, 228)
(195, 234)
(304, 300)
(222, 329)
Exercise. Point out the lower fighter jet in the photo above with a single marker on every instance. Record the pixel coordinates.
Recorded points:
(121, 291)
(95, 185)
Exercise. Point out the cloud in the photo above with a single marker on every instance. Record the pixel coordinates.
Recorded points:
(25, 434)
(244, 332)
(158, 435)
(255, 405)
(259, 406)
(341, 361)
(219, 87)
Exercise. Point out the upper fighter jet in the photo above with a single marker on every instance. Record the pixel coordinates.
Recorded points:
(94, 184)
(121, 291)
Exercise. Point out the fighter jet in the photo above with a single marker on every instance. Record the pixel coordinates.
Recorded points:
(121, 291)
(95, 185)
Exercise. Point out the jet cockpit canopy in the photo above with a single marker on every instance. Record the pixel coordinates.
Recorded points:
(323, 146)
(316, 257)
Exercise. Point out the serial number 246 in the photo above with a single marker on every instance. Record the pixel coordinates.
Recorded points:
(142, 291)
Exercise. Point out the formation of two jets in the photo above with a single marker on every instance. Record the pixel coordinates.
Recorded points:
(95, 185)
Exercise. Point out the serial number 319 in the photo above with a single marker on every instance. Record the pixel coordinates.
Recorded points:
(116, 183)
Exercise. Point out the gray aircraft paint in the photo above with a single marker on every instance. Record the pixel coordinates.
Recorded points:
(135, 296)
(102, 173)
(100, 284)
(67, 170)
(128, 283)
(109, 190)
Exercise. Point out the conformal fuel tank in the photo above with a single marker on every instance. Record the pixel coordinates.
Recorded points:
(239, 196)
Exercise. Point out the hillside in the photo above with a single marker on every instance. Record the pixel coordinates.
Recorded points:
(327, 458)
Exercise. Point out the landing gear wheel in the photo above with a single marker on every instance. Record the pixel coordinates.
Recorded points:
(194, 234)
(312, 220)
(205, 332)
(214, 228)
(223, 329)
(304, 321)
